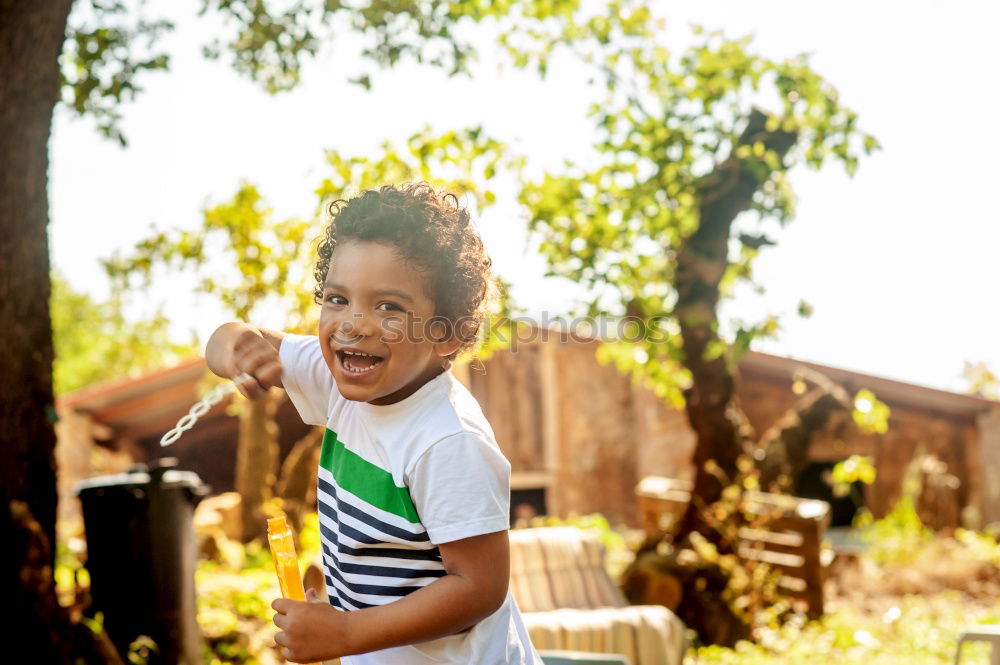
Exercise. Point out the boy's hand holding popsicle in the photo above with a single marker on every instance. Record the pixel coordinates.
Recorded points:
(296, 606)
(300, 623)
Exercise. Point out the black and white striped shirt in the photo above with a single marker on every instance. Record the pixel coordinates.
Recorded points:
(395, 481)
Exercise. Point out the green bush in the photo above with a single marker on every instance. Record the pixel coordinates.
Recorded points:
(235, 595)
(896, 538)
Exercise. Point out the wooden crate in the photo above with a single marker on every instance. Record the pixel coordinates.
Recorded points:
(786, 533)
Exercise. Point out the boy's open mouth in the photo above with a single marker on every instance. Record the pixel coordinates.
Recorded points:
(357, 362)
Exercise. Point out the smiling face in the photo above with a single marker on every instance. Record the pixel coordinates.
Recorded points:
(372, 328)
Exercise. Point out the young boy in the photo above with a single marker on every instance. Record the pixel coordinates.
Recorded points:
(413, 491)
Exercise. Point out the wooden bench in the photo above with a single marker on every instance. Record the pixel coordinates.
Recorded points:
(786, 533)
(569, 601)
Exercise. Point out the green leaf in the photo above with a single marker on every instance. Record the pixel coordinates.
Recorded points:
(870, 415)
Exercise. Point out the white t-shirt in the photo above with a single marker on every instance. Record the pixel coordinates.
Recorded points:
(395, 481)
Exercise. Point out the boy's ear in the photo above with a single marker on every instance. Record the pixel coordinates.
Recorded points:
(448, 336)
(447, 347)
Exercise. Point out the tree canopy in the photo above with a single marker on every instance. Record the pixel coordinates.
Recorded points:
(95, 341)
(982, 381)
(246, 258)
(110, 44)
(667, 126)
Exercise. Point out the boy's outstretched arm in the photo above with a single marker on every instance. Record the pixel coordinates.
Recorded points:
(476, 585)
(246, 354)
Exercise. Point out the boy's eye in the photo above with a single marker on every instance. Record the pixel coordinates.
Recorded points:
(334, 299)
(388, 307)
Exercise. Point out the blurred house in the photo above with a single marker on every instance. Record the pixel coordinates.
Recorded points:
(107, 427)
(580, 435)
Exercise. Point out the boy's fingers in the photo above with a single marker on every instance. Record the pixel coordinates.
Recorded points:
(240, 381)
(256, 359)
(281, 639)
(280, 620)
(248, 339)
(248, 357)
(264, 367)
(256, 390)
(248, 386)
(311, 595)
(281, 605)
(269, 374)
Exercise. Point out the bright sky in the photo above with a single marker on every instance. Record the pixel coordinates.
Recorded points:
(899, 263)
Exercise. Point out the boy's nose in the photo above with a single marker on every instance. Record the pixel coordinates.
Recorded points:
(358, 324)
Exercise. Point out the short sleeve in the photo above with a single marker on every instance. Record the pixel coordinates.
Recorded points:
(306, 377)
(461, 488)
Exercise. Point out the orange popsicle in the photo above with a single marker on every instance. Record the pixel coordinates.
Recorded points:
(286, 564)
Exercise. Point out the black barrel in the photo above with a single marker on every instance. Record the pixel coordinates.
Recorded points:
(141, 558)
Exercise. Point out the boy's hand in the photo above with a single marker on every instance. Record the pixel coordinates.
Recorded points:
(256, 363)
(311, 631)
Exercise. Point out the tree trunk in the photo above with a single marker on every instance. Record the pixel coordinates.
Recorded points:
(785, 446)
(692, 588)
(702, 261)
(257, 461)
(52, 634)
(297, 482)
(31, 37)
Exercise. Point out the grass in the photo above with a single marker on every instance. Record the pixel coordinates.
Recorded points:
(887, 631)
(904, 601)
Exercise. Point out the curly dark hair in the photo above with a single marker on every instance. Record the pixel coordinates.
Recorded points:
(433, 230)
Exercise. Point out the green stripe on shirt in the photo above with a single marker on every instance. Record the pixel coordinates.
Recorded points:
(364, 480)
